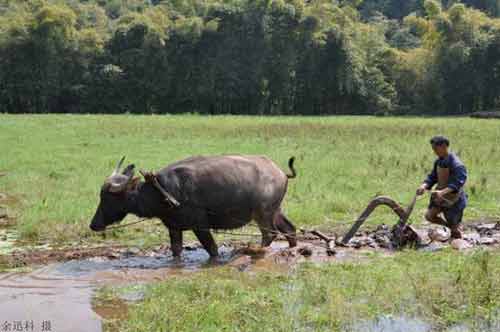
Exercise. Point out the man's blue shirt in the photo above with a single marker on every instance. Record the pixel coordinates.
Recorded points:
(457, 179)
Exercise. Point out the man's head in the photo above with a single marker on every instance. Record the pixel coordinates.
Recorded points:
(440, 145)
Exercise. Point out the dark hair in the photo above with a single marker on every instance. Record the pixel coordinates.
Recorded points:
(440, 140)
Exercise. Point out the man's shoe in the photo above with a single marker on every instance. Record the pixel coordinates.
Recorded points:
(456, 232)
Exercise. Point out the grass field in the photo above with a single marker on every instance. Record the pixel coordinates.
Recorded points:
(446, 291)
(55, 164)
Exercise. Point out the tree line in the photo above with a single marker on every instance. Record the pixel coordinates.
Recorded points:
(315, 57)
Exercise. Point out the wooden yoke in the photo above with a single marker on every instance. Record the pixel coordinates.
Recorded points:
(151, 178)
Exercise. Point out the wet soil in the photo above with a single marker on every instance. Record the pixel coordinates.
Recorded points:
(6, 219)
(391, 323)
(61, 292)
(484, 233)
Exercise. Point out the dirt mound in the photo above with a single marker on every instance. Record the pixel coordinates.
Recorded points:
(474, 234)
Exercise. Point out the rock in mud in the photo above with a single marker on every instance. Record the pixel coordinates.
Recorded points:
(421, 237)
(70, 255)
(305, 251)
(439, 234)
(383, 241)
(392, 324)
(496, 236)
(460, 244)
(132, 296)
(331, 251)
(113, 255)
(384, 229)
(356, 243)
(252, 251)
(488, 226)
(432, 247)
(190, 248)
(132, 251)
(241, 262)
(361, 241)
(161, 249)
(487, 229)
(472, 237)
(487, 241)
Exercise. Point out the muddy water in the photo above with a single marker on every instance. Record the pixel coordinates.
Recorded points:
(45, 297)
(59, 295)
(391, 323)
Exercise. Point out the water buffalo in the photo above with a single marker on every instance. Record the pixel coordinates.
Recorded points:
(213, 192)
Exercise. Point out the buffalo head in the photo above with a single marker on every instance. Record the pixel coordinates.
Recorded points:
(113, 197)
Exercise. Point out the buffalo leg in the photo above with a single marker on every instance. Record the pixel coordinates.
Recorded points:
(266, 227)
(207, 240)
(175, 241)
(284, 225)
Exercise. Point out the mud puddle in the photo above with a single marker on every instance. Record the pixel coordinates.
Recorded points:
(391, 323)
(60, 295)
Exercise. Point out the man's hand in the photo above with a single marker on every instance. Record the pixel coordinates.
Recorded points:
(421, 190)
(439, 194)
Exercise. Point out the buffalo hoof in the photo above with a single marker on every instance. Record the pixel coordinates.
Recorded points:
(292, 241)
(213, 254)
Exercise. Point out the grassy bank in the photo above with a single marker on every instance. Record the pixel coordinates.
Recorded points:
(55, 164)
(443, 290)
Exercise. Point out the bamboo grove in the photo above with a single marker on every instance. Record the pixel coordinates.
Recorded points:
(317, 57)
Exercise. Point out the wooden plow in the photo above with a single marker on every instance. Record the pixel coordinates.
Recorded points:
(402, 232)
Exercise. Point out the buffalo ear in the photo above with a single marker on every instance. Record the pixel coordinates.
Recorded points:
(132, 184)
(129, 171)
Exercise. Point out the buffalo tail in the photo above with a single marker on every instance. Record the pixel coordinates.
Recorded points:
(290, 165)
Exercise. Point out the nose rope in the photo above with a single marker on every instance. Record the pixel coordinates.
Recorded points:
(303, 231)
(110, 228)
(124, 225)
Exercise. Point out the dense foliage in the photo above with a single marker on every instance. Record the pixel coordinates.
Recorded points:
(249, 56)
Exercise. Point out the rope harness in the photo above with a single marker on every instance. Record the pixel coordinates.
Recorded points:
(174, 203)
(216, 231)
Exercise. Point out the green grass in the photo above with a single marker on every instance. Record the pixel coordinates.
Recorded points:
(443, 289)
(56, 164)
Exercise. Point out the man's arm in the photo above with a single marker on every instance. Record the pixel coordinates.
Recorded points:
(457, 178)
(429, 182)
(432, 178)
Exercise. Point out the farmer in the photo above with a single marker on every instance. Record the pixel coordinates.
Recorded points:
(450, 174)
